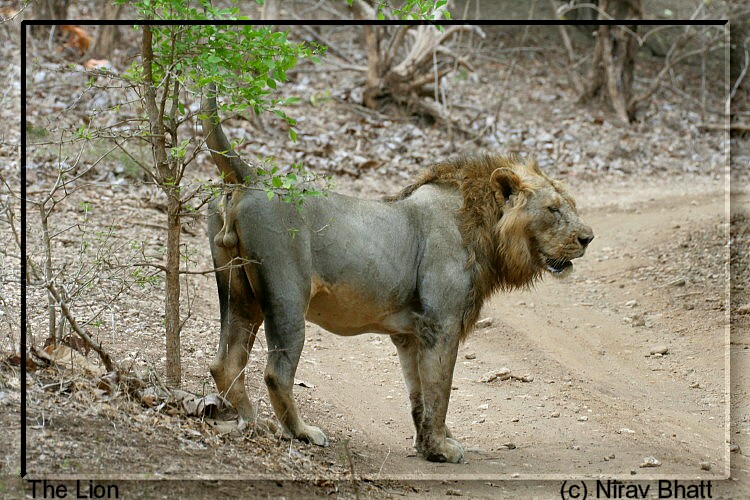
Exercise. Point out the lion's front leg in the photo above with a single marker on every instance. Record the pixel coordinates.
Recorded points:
(408, 354)
(436, 362)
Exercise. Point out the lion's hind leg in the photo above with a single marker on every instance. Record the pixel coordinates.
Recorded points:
(285, 336)
(241, 317)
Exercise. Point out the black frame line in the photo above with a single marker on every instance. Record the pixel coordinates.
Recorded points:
(23, 249)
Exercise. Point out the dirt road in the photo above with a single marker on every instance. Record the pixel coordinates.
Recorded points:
(599, 402)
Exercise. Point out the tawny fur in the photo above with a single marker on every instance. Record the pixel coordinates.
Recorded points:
(495, 232)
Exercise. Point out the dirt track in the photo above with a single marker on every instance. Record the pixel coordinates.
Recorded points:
(598, 403)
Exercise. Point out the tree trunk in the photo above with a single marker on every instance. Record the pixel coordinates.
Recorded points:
(166, 171)
(51, 303)
(406, 64)
(172, 304)
(614, 58)
(373, 84)
(739, 58)
(270, 10)
(108, 35)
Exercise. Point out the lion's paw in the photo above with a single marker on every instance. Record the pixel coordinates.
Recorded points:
(449, 451)
(415, 439)
(259, 426)
(313, 435)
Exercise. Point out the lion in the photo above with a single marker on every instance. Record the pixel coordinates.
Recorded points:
(417, 267)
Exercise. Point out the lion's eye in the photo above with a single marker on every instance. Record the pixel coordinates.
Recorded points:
(554, 210)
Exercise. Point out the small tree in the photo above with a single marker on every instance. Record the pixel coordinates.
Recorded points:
(614, 57)
(612, 71)
(243, 63)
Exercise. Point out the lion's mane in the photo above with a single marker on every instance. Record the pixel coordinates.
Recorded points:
(495, 234)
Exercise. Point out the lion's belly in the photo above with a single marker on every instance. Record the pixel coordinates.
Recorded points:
(344, 310)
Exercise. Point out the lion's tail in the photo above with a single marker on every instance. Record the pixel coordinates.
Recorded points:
(232, 167)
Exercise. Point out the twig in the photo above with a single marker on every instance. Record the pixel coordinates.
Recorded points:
(742, 73)
(575, 79)
(109, 364)
(675, 90)
(60, 384)
(331, 47)
(671, 61)
(348, 454)
(384, 461)
(230, 265)
(336, 64)
(394, 44)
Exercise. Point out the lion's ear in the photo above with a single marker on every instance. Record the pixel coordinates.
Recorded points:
(505, 181)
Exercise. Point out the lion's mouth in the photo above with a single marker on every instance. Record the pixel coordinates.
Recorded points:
(558, 266)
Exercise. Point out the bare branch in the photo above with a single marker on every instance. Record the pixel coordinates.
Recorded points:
(109, 364)
(677, 46)
(743, 72)
(235, 262)
(575, 79)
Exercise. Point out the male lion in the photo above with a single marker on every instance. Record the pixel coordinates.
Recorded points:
(416, 267)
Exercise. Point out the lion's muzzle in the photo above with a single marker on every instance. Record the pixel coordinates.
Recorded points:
(561, 266)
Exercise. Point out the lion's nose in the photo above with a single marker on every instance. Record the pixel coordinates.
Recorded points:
(585, 240)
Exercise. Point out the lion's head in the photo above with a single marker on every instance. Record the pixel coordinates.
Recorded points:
(537, 228)
(516, 222)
